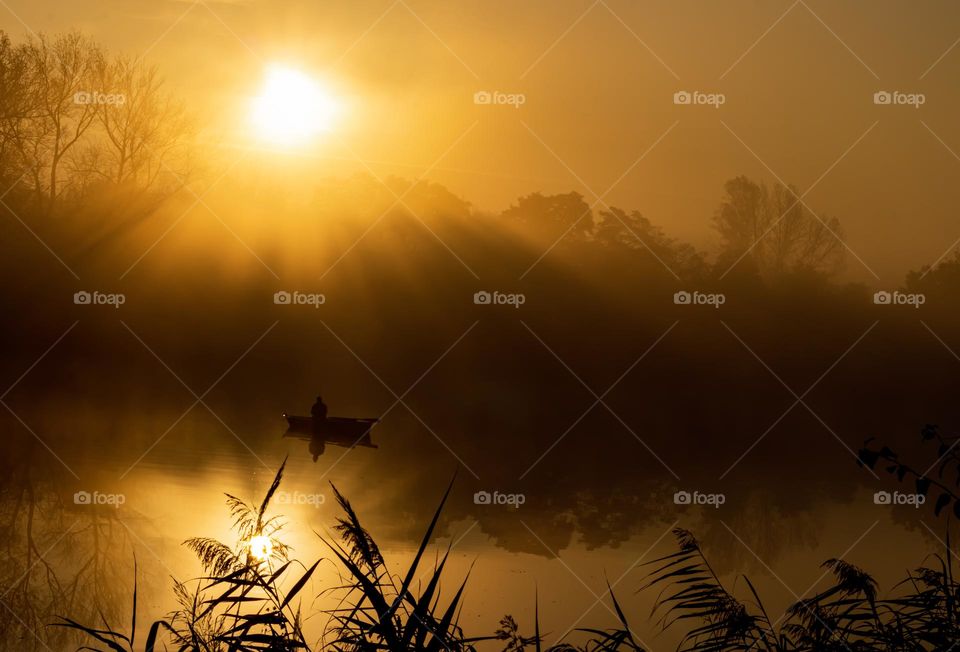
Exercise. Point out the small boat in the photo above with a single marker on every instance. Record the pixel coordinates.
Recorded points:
(339, 431)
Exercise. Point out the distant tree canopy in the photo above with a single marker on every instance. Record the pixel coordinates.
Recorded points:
(568, 218)
(776, 230)
(72, 116)
(564, 211)
(940, 279)
(768, 227)
(617, 228)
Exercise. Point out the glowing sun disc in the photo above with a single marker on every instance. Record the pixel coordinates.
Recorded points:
(261, 548)
(292, 108)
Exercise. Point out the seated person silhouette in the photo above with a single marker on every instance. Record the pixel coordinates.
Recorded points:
(318, 412)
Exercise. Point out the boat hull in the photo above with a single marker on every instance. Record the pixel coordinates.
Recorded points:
(339, 431)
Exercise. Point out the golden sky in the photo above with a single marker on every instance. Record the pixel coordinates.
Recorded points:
(598, 115)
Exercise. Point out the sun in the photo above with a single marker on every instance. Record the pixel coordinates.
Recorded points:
(261, 548)
(292, 107)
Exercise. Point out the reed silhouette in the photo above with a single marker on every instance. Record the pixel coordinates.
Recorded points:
(942, 474)
(247, 600)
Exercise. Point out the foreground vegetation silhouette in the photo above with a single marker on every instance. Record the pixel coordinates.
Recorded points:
(249, 598)
(941, 476)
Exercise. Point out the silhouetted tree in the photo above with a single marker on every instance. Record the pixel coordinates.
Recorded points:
(616, 228)
(775, 229)
(143, 137)
(562, 212)
(16, 105)
(70, 116)
(59, 72)
(940, 280)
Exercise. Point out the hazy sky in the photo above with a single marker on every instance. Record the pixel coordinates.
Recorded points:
(598, 78)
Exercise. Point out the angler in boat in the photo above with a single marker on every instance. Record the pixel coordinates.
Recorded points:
(320, 430)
